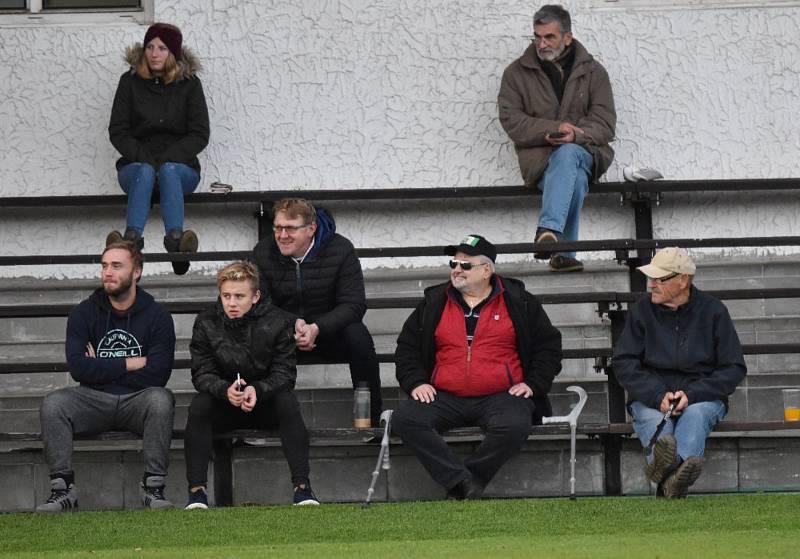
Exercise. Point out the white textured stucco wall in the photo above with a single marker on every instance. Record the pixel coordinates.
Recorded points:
(352, 93)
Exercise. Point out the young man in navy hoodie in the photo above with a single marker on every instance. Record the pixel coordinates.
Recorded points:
(120, 347)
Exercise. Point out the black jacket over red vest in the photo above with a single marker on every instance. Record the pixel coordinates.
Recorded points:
(538, 342)
(491, 363)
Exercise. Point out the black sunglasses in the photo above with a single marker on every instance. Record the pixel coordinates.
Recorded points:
(466, 266)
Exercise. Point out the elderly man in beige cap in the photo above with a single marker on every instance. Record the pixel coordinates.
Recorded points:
(679, 359)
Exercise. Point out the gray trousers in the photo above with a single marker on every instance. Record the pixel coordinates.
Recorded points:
(78, 410)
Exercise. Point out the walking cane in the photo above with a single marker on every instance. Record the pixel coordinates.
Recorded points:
(660, 426)
(572, 419)
(383, 456)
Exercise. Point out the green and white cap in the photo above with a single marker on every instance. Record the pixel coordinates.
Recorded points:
(474, 245)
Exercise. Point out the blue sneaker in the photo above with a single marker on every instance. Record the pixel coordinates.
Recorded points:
(304, 495)
(197, 500)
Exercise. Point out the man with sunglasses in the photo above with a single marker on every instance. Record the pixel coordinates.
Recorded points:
(678, 348)
(311, 271)
(479, 350)
(556, 105)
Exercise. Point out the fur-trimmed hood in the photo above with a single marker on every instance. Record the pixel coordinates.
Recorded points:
(188, 64)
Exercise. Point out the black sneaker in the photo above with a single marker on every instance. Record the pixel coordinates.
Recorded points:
(561, 263)
(197, 499)
(62, 498)
(544, 236)
(154, 498)
(304, 495)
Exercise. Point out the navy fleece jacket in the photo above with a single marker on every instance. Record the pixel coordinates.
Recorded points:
(694, 348)
(144, 330)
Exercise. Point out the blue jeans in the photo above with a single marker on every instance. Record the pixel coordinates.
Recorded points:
(564, 186)
(174, 180)
(690, 429)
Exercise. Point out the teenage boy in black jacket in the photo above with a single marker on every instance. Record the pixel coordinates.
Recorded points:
(120, 347)
(243, 366)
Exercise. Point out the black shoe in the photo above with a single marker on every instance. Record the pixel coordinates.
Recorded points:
(561, 263)
(466, 490)
(180, 241)
(544, 236)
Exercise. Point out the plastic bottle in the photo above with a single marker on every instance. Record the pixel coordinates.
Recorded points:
(361, 404)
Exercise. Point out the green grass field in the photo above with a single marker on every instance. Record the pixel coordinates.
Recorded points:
(726, 526)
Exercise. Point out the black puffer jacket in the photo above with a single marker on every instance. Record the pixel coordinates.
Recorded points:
(259, 346)
(538, 341)
(153, 122)
(327, 288)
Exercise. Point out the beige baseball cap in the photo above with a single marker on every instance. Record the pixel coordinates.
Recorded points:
(670, 260)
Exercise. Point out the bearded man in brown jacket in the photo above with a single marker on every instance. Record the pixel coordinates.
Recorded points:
(557, 107)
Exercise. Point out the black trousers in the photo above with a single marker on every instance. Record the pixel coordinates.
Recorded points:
(353, 345)
(505, 419)
(208, 415)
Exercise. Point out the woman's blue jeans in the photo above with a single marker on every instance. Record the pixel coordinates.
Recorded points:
(174, 180)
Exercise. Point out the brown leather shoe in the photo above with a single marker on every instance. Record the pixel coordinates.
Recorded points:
(677, 484)
(113, 237)
(664, 459)
(561, 263)
(544, 236)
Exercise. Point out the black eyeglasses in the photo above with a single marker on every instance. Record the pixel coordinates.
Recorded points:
(291, 229)
(665, 279)
(466, 266)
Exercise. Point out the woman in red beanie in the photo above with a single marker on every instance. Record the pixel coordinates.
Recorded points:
(159, 123)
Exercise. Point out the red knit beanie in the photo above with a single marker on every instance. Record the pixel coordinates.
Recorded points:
(169, 34)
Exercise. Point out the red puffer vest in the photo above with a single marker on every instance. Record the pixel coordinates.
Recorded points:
(490, 365)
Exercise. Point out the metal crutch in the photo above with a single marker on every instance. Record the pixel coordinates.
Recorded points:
(383, 455)
(572, 419)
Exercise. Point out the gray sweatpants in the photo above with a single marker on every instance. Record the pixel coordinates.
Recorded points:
(78, 410)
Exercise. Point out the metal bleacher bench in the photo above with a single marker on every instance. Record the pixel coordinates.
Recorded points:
(641, 196)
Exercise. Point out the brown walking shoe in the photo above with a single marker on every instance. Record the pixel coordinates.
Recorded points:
(664, 459)
(676, 486)
(544, 236)
(561, 263)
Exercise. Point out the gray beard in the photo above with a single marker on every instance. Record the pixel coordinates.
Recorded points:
(553, 56)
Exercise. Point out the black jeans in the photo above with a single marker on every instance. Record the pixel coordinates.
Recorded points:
(505, 419)
(353, 345)
(208, 415)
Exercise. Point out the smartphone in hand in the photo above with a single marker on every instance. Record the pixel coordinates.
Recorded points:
(556, 135)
